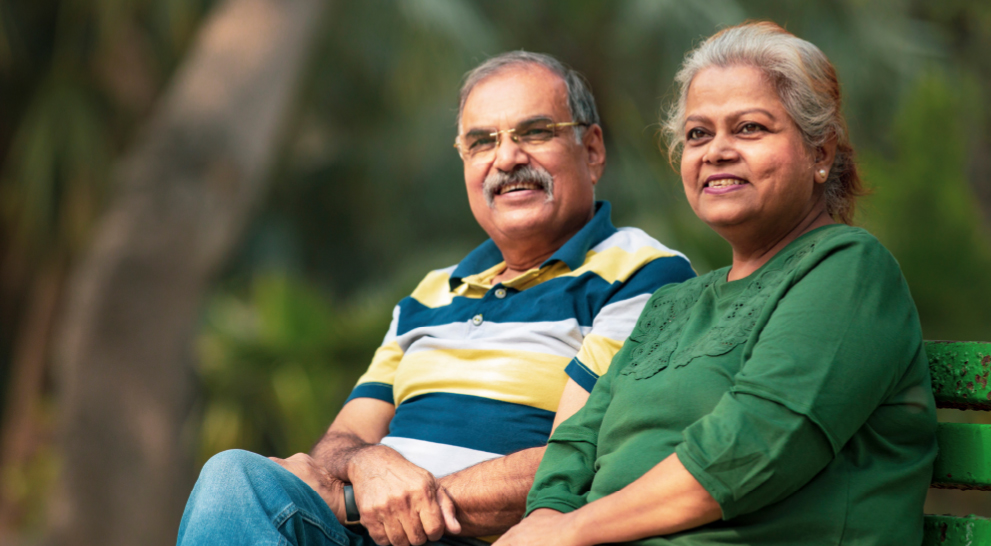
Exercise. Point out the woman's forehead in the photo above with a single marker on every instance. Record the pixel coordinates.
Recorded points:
(730, 89)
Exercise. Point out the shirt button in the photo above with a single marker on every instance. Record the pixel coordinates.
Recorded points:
(477, 319)
(500, 293)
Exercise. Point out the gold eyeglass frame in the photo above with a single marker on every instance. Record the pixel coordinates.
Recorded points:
(515, 138)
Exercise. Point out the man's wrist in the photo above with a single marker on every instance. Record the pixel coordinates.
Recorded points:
(353, 461)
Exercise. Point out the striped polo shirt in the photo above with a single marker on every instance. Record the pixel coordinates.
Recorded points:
(476, 370)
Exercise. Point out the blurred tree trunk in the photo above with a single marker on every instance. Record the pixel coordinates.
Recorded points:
(183, 196)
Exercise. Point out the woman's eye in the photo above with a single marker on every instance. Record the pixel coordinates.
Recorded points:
(695, 134)
(749, 128)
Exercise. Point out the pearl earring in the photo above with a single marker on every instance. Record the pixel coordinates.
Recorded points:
(822, 173)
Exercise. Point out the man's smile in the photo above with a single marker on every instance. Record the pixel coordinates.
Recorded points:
(522, 180)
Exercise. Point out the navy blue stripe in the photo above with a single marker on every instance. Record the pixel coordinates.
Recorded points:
(473, 422)
(372, 389)
(649, 278)
(561, 298)
(585, 377)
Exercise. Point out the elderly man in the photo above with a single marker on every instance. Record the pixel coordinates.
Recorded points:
(441, 437)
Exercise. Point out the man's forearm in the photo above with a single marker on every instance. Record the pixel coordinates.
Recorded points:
(491, 496)
(335, 450)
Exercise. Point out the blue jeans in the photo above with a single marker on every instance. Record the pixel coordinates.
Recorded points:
(245, 499)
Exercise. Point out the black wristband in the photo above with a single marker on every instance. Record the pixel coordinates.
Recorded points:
(351, 514)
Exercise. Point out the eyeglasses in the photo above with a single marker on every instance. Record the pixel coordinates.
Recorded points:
(479, 146)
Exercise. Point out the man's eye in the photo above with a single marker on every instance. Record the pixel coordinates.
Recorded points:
(536, 134)
(482, 142)
(695, 134)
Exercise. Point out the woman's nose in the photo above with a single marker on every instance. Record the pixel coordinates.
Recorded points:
(720, 149)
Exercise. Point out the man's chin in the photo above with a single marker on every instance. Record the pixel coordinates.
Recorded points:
(523, 220)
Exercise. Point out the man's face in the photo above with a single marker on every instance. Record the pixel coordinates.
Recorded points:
(518, 203)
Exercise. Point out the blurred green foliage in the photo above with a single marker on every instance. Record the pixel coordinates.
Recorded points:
(276, 360)
(77, 79)
(925, 213)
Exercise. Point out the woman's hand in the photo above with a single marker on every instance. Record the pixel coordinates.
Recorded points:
(544, 527)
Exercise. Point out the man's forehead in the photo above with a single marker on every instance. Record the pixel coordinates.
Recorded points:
(515, 94)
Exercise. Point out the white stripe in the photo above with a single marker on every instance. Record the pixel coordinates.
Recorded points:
(390, 336)
(632, 239)
(438, 459)
(560, 338)
(616, 320)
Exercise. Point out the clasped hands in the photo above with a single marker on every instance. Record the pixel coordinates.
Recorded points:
(400, 503)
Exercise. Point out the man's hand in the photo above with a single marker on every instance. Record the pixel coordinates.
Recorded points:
(330, 489)
(543, 527)
(400, 503)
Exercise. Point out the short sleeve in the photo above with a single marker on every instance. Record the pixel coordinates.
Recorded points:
(617, 317)
(838, 344)
(378, 380)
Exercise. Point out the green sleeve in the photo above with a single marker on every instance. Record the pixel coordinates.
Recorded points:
(566, 471)
(839, 342)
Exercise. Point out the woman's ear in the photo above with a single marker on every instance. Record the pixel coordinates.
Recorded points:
(824, 156)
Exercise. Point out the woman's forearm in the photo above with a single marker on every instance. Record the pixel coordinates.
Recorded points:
(665, 500)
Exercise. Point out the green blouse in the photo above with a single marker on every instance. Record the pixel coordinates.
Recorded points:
(798, 397)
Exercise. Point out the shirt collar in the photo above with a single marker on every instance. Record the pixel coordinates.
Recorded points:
(572, 253)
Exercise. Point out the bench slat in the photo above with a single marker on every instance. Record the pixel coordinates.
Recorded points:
(964, 460)
(956, 531)
(960, 373)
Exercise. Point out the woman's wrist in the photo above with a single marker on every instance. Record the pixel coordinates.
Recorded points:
(569, 530)
(577, 529)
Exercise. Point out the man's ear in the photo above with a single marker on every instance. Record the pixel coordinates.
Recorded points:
(595, 151)
(825, 154)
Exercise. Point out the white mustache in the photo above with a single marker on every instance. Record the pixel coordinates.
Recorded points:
(525, 173)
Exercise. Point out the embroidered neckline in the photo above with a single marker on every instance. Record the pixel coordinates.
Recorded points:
(658, 333)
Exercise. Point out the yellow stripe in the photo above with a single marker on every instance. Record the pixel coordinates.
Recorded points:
(519, 377)
(384, 364)
(434, 290)
(615, 264)
(597, 352)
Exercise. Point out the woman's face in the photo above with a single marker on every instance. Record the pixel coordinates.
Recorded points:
(744, 164)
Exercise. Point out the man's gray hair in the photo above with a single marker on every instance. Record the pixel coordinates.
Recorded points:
(806, 84)
(581, 103)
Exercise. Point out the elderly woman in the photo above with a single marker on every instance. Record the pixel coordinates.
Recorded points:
(784, 399)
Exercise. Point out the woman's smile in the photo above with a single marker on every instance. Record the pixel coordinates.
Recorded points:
(721, 184)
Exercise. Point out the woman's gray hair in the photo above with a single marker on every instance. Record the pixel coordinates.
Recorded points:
(581, 103)
(807, 85)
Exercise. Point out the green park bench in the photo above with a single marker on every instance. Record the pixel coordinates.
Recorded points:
(960, 372)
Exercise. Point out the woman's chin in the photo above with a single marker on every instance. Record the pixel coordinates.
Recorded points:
(724, 219)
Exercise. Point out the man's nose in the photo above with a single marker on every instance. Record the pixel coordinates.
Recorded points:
(509, 154)
(720, 149)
